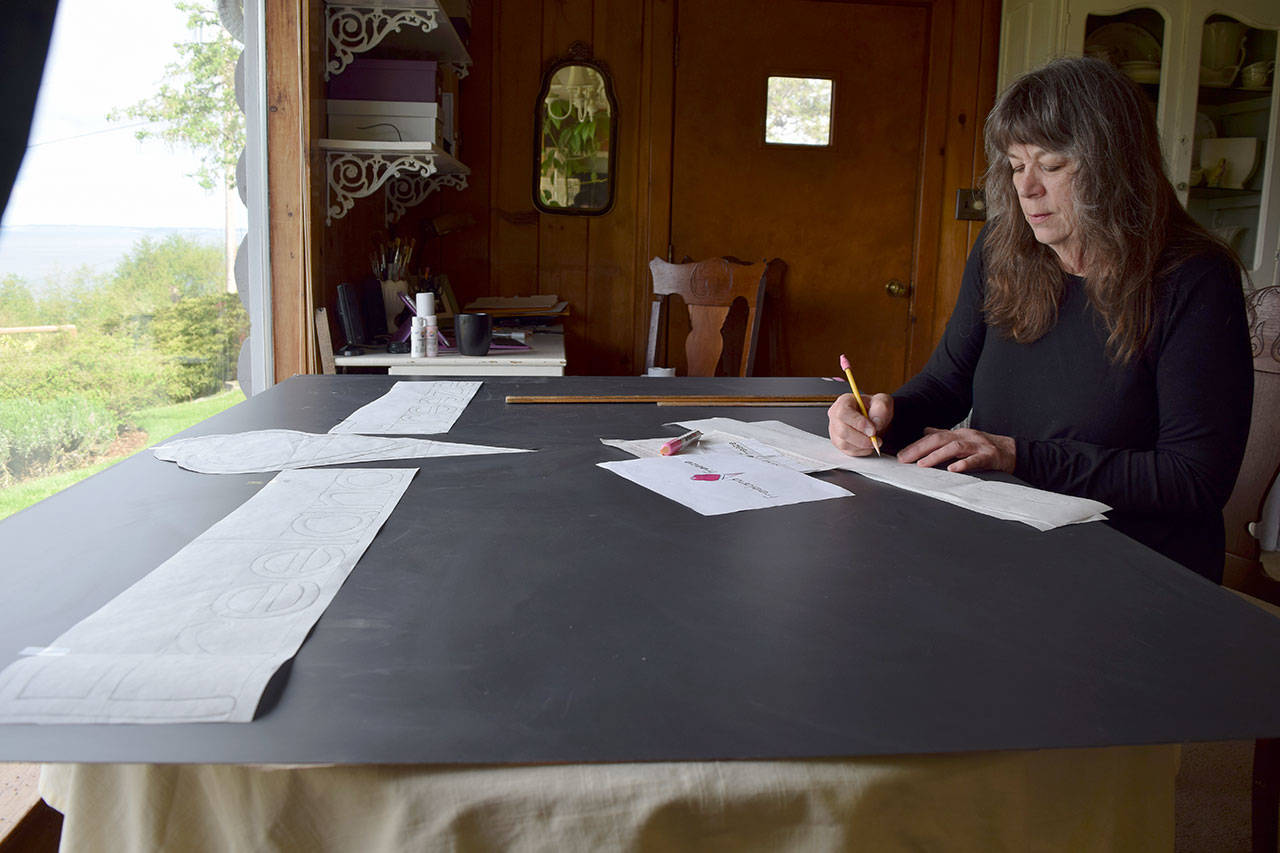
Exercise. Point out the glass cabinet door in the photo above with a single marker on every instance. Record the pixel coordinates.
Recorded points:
(1233, 142)
(1133, 41)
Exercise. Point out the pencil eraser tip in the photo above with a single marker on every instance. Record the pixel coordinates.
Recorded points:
(844, 362)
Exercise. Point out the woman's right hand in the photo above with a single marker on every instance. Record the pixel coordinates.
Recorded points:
(851, 432)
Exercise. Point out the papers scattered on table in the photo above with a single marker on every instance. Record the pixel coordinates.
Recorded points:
(198, 638)
(1041, 509)
(513, 303)
(283, 449)
(412, 408)
(718, 483)
(505, 307)
(715, 441)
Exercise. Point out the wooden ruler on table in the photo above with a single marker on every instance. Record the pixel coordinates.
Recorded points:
(678, 400)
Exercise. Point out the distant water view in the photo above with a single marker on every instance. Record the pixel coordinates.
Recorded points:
(37, 253)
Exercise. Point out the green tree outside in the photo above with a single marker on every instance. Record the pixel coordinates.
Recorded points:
(18, 306)
(196, 102)
(202, 335)
(156, 274)
(799, 111)
(160, 328)
(156, 330)
(196, 108)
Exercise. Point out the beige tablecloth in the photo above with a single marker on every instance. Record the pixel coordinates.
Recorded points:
(1118, 798)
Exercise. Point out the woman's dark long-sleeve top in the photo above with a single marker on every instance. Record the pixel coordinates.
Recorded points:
(1159, 439)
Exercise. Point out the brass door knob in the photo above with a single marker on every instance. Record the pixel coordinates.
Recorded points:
(897, 288)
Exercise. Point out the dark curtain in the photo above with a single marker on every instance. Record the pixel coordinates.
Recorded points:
(25, 28)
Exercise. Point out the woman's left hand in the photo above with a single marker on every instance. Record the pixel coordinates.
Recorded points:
(965, 449)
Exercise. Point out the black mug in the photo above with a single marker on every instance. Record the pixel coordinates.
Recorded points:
(475, 333)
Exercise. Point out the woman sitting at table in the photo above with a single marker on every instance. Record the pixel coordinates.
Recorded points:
(1099, 340)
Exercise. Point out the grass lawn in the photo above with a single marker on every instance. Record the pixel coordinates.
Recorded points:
(161, 422)
(158, 423)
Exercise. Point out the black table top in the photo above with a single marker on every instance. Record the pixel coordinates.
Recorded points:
(536, 608)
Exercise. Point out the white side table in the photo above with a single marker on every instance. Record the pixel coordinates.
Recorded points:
(545, 358)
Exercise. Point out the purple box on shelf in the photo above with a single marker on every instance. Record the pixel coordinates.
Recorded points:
(385, 80)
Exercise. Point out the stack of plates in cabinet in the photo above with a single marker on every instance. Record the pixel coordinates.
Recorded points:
(1141, 70)
(1240, 154)
(1127, 46)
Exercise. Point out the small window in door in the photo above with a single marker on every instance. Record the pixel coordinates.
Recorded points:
(798, 111)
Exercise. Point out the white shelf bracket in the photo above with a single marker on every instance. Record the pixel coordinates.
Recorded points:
(406, 191)
(354, 29)
(356, 174)
(407, 176)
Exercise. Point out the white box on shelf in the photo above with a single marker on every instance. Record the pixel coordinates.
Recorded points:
(385, 121)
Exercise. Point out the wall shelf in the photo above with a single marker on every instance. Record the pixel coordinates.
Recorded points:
(354, 28)
(1224, 192)
(1248, 99)
(410, 171)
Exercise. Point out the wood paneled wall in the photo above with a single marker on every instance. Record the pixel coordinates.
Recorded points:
(973, 62)
(599, 263)
(289, 182)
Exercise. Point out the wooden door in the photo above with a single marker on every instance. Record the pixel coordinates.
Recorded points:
(842, 216)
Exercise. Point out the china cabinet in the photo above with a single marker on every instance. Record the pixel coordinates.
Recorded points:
(406, 172)
(1209, 70)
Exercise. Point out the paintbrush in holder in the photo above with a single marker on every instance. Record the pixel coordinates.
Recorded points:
(390, 261)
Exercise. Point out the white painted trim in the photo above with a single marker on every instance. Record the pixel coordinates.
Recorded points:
(261, 337)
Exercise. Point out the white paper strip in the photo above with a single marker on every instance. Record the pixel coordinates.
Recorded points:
(1043, 510)
(719, 483)
(198, 638)
(714, 441)
(412, 408)
(283, 449)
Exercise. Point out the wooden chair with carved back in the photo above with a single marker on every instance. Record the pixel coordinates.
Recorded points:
(1262, 452)
(709, 290)
(1242, 570)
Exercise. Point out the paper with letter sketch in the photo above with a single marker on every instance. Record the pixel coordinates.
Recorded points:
(198, 638)
(1043, 510)
(412, 408)
(719, 483)
(714, 441)
(283, 449)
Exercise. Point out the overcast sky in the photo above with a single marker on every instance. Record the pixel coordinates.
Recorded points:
(81, 169)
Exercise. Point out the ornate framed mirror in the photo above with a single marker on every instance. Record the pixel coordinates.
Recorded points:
(575, 141)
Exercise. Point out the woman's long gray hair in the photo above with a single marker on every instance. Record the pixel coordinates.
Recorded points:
(1127, 216)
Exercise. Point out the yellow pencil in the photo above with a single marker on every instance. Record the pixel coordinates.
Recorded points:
(853, 386)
